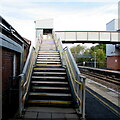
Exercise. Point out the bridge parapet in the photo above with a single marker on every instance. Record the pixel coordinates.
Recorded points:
(107, 37)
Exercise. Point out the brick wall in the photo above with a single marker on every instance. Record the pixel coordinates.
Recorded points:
(113, 62)
(9, 85)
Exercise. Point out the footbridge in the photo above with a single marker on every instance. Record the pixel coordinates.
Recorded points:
(105, 37)
(51, 79)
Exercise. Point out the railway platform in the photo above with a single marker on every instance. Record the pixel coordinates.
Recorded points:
(50, 113)
(99, 108)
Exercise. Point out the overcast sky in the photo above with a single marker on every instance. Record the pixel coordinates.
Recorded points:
(67, 14)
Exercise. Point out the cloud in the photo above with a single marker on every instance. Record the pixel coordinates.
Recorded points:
(22, 14)
(13, 1)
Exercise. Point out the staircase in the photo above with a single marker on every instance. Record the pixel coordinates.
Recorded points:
(49, 84)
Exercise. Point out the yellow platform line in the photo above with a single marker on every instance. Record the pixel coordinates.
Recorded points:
(53, 102)
(48, 65)
(48, 51)
(103, 102)
(48, 69)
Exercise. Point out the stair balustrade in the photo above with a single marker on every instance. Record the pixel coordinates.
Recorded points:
(77, 81)
(25, 76)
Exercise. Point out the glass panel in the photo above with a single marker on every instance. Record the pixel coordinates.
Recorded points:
(114, 37)
(93, 36)
(104, 36)
(82, 36)
(70, 36)
(60, 35)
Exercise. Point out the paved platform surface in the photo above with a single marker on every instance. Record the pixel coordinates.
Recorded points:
(99, 108)
(50, 113)
(107, 93)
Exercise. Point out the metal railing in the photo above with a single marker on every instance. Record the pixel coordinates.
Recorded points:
(77, 81)
(58, 45)
(25, 76)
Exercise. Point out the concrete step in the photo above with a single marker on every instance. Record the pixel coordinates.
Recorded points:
(49, 73)
(49, 65)
(49, 82)
(48, 53)
(51, 69)
(50, 88)
(48, 102)
(48, 42)
(48, 57)
(47, 77)
(49, 94)
(47, 62)
(47, 48)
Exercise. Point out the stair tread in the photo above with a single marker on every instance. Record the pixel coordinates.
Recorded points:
(50, 60)
(49, 69)
(56, 55)
(57, 88)
(50, 101)
(58, 65)
(40, 62)
(48, 77)
(59, 73)
(50, 82)
(48, 57)
(49, 94)
(49, 53)
(52, 51)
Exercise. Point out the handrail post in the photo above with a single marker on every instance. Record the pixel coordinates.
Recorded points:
(21, 78)
(83, 96)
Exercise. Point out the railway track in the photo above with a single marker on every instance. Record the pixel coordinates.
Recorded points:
(102, 77)
(108, 80)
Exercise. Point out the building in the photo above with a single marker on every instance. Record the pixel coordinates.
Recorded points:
(43, 27)
(113, 51)
(14, 50)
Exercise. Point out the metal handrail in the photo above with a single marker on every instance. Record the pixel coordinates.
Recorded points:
(25, 76)
(77, 81)
(59, 47)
